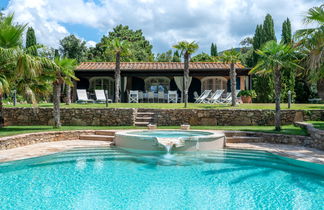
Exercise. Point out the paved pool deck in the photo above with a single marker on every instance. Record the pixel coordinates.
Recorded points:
(40, 149)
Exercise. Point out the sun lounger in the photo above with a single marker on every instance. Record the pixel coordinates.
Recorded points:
(101, 97)
(83, 97)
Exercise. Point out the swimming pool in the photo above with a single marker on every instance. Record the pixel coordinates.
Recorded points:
(109, 178)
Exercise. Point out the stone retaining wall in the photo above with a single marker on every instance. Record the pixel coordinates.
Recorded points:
(163, 117)
(316, 134)
(33, 138)
(80, 116)
(228, 117)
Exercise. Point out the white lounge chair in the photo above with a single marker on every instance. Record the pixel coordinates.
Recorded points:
(101, 97)
(133, 96)
(83, 97)
(203, 97)
(172, 96)
(228, 97)
(216, 97)
(196, 96)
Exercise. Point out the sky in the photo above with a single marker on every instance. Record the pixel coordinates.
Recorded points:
(163, 22)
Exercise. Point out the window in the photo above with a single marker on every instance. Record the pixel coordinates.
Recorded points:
(156, 84)
(103, 83)
(214, 83)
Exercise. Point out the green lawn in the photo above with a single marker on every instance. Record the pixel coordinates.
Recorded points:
(180, 106)
(317, 124)
(14, 130)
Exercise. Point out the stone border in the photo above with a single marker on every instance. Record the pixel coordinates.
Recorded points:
(316, 134)
(273, 138)
(10, 142)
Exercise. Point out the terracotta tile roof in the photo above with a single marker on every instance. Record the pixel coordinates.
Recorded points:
(155, 66)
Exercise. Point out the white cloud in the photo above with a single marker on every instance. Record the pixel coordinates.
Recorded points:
(225, 22)
(91, 44)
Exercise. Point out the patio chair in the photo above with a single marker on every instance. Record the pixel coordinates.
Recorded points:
(216, 97)
(172, 96)
(133, 96)
(83, 97)
(150, 96)
(203, 97)
(228, 97)
(140, 96)
(161, 96)
(196, 96)
(101, 97)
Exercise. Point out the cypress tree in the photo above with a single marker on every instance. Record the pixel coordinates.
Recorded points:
(263, 84)
(286, 36)
(31, 40)
(213, 50)
(288, 75)
(268, 29)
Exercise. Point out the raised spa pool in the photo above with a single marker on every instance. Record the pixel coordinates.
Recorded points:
(169, 140)
(115, 179)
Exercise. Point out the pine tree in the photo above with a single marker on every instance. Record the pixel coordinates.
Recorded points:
(31, 40)
(288, 75)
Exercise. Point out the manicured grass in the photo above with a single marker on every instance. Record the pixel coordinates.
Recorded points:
(180, 106)
(317, 124)
(14, 130)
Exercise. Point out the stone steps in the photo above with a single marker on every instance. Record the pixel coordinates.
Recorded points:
(105, 133)
(144, 118)
(100, 135)
(141, 123)
(243, 139)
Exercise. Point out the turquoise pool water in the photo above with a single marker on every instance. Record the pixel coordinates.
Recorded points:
(114, 179)
(171, 133)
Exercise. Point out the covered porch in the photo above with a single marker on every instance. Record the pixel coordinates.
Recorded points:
(158, 77)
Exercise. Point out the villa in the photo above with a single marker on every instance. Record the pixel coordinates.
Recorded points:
(154, 76)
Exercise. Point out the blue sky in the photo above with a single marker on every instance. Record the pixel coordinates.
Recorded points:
(225, 22)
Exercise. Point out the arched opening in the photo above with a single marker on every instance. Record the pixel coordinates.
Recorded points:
(156, 84)
(214, 83)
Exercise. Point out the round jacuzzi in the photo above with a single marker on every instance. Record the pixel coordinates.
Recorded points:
(169, 140)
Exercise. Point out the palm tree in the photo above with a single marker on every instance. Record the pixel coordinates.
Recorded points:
(119, 48)
(273, 58)
(311, 44)
(186, 49)
(232, 57)
(3, 89)
(64, 73)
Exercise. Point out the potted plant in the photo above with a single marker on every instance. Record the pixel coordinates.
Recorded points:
(247, 95)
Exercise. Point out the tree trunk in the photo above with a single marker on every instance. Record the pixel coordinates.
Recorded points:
(56, 104)
(68, 95)
(277, 78)
(1, 112)
(233, 83)
(186, 78)
(117, 78)
(320, 88)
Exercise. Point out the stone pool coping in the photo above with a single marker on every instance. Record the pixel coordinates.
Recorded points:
(295, 152)
(42, 143)
(47, 148)
(291, 151)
